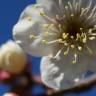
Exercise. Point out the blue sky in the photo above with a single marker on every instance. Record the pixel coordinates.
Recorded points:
(9, 13)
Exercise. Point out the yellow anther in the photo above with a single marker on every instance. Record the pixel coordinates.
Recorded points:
(72, 37)
(46, 33)
(72, 15)
(65, 35)
(32, 37)
(51, 25)
(84, 40)
(72, 46)
(66, 44)
(60, 40)
(57, 17)
(29, 18)
(79, 48)
(90, 31)
(83, 35)
(66, 52)
(78, 36)
(66, 7)
(42, 14)
(73, 62)
(44, 42)
(46, 25)
(81, 29)
(75, 59)
(60, 26)
(92, 38)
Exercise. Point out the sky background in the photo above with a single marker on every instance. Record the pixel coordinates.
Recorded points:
(10, 11)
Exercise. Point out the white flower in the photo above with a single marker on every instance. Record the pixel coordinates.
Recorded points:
(10, 94)
(12, 57)
(64, 31)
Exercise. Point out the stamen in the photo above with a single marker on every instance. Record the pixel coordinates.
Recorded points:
(60, 28)
(56, 41)
(90, 51)
(48, 25)
(48, 33)
(72, 37)
(83, 35)
(33, 37)
(72, 20)
(70, 5)
(75, 59)
(65, 35)
(78, 36)
(58, 53)
(90, 31)
(44, 42)
(72, 46)
(79, 48)
(92, 12)
(29, 18)
(92, 38)
(66, 52)
(57, 17)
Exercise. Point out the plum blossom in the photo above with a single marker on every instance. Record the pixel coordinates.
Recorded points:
(63, 32)
(10, 94)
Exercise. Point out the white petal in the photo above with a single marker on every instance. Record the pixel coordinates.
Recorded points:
(61, 73)
(53, 5)
(91, 51)
(27, 27)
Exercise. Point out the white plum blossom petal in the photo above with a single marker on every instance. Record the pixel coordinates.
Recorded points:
(29, 31)
(12, 57)
(61, 74)
(64, 32)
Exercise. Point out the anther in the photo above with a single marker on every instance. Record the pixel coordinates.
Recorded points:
(72, 37)
(42, 14)
(72, 15)
(57, 17)
(44, 42)
(66, 7)
(72, 46)
(79, 48)
(92, 38)
(78, 36)
(90, 31)
(32, 36)
(29, 18)
(65, 35)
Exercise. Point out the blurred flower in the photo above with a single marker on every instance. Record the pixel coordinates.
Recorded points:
(10, 94)
(64, 32)
(4, 75)
(12, 57)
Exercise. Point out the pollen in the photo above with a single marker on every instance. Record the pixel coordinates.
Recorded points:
(73, 28)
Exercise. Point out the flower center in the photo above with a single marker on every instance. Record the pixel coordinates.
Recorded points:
(74, 26)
